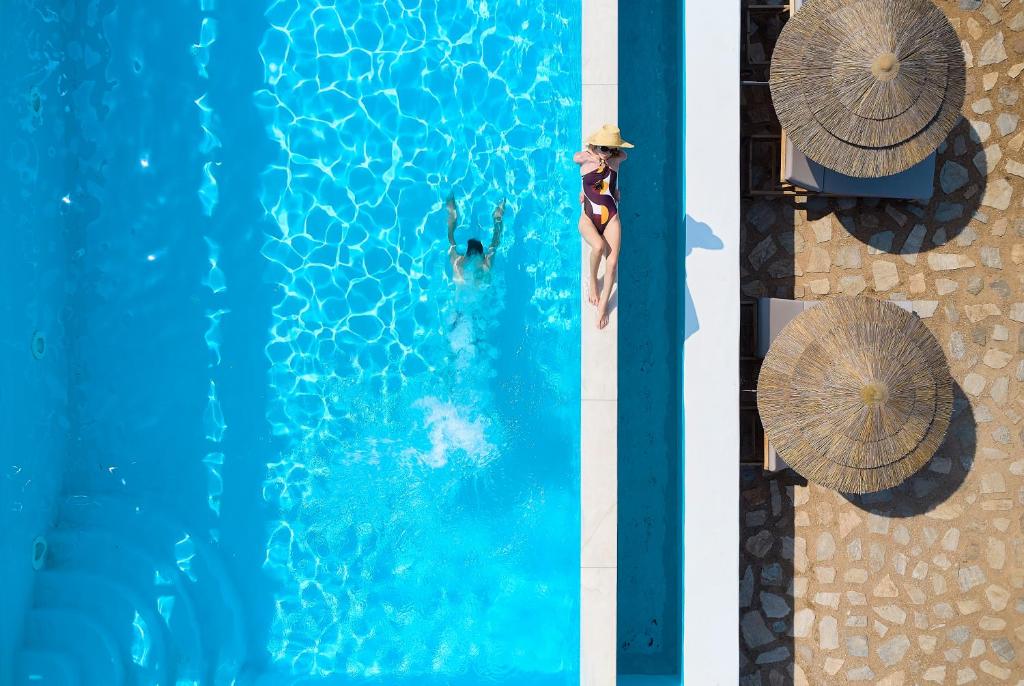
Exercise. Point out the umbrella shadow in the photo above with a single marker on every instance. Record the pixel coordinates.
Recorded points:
(906, 227)
(939, 479)
(698, 235)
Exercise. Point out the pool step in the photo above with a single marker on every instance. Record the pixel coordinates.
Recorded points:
(127, 589)
(195, 561)
(99, 553)
(140, 633)
(44, 668)
(69, 632)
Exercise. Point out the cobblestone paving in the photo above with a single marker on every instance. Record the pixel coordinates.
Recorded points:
(923, 584)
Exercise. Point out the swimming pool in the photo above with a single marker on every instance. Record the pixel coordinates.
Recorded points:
(270, 440)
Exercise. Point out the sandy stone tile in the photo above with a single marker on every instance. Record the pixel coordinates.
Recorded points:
(923, 584)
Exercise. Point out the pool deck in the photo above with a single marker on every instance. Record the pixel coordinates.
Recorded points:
(709, 335)
(923, 583)
(598, 388)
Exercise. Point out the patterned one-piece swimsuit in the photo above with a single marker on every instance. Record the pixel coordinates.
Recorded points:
(599, 192)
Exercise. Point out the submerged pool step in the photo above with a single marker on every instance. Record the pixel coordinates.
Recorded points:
(183, 552)
(141, 634)
(72, 633)
(45, 668)
(158, 585)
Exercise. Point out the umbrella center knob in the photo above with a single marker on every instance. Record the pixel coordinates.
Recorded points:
(885, 67)
(874, 394)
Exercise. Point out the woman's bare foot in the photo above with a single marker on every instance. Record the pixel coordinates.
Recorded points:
(602, 313)
(593, 291)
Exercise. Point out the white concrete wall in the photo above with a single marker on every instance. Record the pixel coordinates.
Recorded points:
(711, 348)
(599, 387)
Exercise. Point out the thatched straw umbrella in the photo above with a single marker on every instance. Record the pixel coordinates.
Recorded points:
(868, 87)
(855, 394)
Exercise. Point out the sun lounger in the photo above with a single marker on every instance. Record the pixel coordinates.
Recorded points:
(916, 183)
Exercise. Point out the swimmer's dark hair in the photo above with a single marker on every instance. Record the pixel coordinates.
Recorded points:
(474, 247)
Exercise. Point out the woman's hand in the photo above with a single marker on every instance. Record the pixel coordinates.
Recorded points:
(582, 196)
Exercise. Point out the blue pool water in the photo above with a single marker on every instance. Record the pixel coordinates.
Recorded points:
(272, 441)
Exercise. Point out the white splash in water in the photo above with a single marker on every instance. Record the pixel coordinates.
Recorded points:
(453, 435)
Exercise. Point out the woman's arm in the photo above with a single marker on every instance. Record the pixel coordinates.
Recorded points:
(453, 219)
(614, 163)
(581, 157)
(498, 216)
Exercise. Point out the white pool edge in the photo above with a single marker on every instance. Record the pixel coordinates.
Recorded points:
(711, 352)
(598, 387)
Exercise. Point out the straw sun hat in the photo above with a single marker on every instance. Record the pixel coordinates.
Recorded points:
(608, 135)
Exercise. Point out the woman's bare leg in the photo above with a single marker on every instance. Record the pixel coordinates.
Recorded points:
(613, 237)
(598, 248)
(595, 263)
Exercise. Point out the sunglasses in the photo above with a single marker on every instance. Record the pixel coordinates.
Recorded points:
(606, 148)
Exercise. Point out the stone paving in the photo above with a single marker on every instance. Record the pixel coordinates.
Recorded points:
(923, 584)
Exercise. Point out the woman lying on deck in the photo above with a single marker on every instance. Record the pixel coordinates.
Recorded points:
(599, 221)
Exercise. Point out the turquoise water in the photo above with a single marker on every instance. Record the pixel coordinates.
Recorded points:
(298, 451)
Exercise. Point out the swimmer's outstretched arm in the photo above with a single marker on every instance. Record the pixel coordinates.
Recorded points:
(453, 219)
(498, 217)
